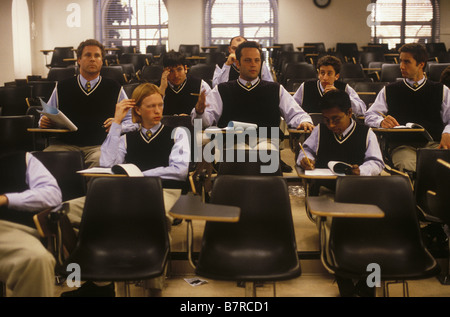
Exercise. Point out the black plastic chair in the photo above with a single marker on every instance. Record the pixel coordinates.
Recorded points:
(299, 71)
(151, 73)
(247, 167)
(350, 71)
(435, 70)
(156, 50)
(189, 49)
(393, 242)
(203, 71)
(426, 178)
(348, 51)
(14, 135)
(13, 100)
(114, 72)
(390, 72)
(59, 73)
(63, 165)
(123, 232)
(59, 55)
(438, 201)
(261, 246)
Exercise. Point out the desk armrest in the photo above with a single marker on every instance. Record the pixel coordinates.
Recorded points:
(324, 207)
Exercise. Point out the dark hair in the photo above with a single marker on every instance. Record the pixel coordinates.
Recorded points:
(90, 42)
(335, 98)
(418, 52)
(248, 44)
(235, 37)
(173, 59)
(445, 76)
(329, 60)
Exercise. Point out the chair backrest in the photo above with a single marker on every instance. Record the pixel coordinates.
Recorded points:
(189, 49)
(136, 59)
(439, 203)
(114, 72)
(390, 72)
(156, 50)
(366, 57)
(261, 245)
(394, 242)
(300, 70)
(435, 70)
(14, 135)
(42, 89)
(63, 165)
(314, 48)
(427, 175)
(203, 71)
(124, 235)
(351, 71)
(215, 57)
(129, 88)
(151, 73)
(59, 73)
(13, 100)
(58, 56)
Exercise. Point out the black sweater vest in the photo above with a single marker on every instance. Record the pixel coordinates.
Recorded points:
(87, 111)
(148, 154)
(180, 100)
(312, 95)
(351, 149)
(13, 169)
(259, 105)
(422, 106)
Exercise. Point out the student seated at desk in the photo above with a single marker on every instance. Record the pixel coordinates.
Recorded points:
(341, 139)
(156, 149)
(310, 92)
(180, 91)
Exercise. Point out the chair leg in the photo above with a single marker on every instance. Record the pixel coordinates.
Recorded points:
(2, 289)
(445, 279)
(405, 287)
(250, 289)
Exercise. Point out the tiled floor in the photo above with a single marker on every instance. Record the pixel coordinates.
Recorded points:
(315, 281)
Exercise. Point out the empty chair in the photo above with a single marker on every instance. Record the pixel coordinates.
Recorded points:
(438, 51)
(122, 237)
(156, 50)
(350, 71)
(135, 59)
(14, 135)
(365, 58)
(58, 73)
(13, 100)
(349, 51)
(435, 70)
(313, 48)
(151, 73)
(63, 165)
(286, 58)
(114, 72)
(438, 199)
(426, 177)
(203, 71)
(261, 246)
(189, 49)
(368, 90)
(390, 72)
(215, 58)
(59, 54)
(42, 89)
(393, 242)
(299, 71)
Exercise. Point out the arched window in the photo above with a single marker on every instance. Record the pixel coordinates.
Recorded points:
(21, 38)
(404, 21)
(256, 20)
(132, 23)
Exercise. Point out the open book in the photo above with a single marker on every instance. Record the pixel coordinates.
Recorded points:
(411, 125)
(121, 169)
(232, 126)
(334, 168)
(57, 117)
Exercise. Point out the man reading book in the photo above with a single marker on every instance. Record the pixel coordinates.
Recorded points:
(340, 138)
(414, 99)
(88, 100)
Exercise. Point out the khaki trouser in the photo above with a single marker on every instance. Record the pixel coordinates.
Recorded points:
(26, 267)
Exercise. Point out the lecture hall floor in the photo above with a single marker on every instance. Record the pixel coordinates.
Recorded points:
(314, 281)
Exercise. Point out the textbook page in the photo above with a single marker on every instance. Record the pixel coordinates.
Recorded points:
(57, 117)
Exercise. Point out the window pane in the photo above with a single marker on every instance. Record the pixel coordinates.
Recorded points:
(389, 11)
(257, 11)
(225, 32)
(225, 12)
(419, 10)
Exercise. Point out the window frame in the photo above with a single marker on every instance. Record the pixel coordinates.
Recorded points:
(403, 24)
(208, 26)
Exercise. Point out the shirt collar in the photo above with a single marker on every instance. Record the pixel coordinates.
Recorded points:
(244, 82)
(350, 127)
(152, 129)
(411, 82)
(93, 82)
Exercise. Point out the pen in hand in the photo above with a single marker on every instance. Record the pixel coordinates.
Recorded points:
(307, 159)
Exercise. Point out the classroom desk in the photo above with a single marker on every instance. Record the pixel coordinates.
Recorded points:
(190, 207)
(48, 132)
(325, 207)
